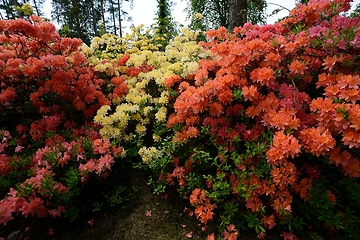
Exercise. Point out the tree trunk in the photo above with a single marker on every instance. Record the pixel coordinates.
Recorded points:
(237, 13)
(120, 26)
(36, 8)
(103, 14)
(94, 18)
(112, 10)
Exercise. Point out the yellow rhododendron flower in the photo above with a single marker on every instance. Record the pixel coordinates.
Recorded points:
(147, 110)
(148, 154)
(100, 67)
(140, 128)
(198, 16)
(156, 138)
(181, 56)
(161, 114)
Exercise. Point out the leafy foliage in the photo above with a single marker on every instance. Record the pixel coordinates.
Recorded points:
(257, 128)
(50, 148)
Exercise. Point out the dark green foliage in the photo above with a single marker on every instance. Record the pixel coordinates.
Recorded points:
(165, 25)
(86, 19)
(8, 11)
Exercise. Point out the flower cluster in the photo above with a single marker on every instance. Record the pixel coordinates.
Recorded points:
(270, 109)
(147, 100)
(48, 97)
(148, 154)
(247, 124)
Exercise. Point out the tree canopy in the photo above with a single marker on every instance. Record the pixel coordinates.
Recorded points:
(11, 9)
(84, 18)
(227, 13)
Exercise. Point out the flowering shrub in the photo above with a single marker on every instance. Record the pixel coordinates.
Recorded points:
(267, 130)
(50, 147)
(257, 128)
(140, 115)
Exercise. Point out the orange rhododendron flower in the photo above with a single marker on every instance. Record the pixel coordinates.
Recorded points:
(216, 109)
(273, 59)
(204, 212)
(317, 141)
(263, 75)
(250, 93)
(351, 138)
(329, 63)
(297, 67)
(170, 81)
(211, 236)
(198, 196)
(225, 96)
(283, 146)
(325, 80)
(349, 164)
(331, 196)
(269, 221)
(303, 187)
(281, 119)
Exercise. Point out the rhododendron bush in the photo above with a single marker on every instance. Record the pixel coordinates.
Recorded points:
(258, 128)
(137, 120)
(49, 148)
(267, 131)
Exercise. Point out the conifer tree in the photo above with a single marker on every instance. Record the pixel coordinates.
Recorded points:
(84, 18)
(165, 25)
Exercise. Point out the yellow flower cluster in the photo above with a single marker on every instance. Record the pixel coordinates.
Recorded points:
(148, 154)
(148, 98)
(112, 47)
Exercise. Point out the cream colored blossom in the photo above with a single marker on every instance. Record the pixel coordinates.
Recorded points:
(142, 105)
(156, 138)
(147, 110)
(198, 16)
(161, 114)
(140, 128)
(149, 154)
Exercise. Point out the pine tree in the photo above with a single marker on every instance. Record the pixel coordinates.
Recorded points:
(73, 16)
(116, 14)
(85, 19)
(165, 25)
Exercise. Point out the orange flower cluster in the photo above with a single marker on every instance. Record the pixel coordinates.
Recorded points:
(317, 141)
(303, 187)
(341, 86)
(203, 210)
(283, 146)
(269, 221)
(299, 88)
(264, 75)
(297, 67)
(230, 233)
(349, 164)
